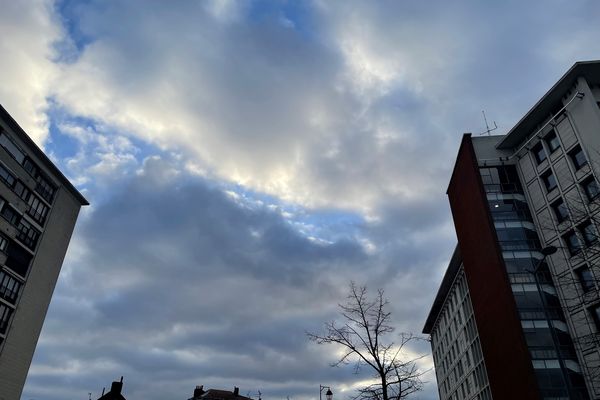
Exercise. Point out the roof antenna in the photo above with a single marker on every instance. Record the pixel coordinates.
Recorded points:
(487, 127)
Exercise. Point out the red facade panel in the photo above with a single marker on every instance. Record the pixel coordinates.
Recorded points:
(507, 360)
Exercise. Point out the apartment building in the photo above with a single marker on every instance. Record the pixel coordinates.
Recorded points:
(38, 210)
(517, 314)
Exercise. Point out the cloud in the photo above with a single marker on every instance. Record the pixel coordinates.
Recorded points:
(178, 281)
(244, 160)
(29, 32)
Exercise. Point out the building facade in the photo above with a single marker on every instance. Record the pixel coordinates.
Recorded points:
(526, 209)
(38, 210)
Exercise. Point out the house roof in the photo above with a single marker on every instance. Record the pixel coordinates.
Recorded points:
(550, 102)
(214, 394)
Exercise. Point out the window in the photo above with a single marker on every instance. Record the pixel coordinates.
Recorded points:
(11, 147)
(578, 158)
(586, 279)
(6, 176)
(595, 315)
(45, 188)
(591, 188)
(539, 153)
(572, 243)
(552, 141)
(549, 180)
(9, 214)
(30, 167)
(560, 210)
(18, 259)
(37, 209)
(22, 191)
(588, 231)
(5, 313)
(3, 243)
(27, 234)
(9, 287)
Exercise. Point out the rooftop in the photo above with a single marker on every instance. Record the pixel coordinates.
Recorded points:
(550, 102)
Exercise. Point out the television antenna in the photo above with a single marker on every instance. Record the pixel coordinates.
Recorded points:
(487, 126)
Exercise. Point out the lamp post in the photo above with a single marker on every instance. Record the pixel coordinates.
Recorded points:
(547, 251)
(328, 394)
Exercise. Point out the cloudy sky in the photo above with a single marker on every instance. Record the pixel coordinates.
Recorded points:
(245, 160)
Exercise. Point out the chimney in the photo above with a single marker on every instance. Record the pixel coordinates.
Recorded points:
(236, 391)
(198, 391)
(116, 387)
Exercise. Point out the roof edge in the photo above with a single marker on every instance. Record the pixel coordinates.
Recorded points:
(39, 153)
(445, 285)
(572, 73)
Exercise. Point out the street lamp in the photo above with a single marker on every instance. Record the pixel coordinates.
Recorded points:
(328, 394)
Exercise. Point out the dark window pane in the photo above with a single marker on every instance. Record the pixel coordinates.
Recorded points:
(560, 210)
(596, 316)
(588, 231)
(27, 234)
(586, 279)
(37, 209)
(5, 313)
(9, 287)
(9, 214)
(11, 147)
(30, 167)
(572, 243)
(6, 176)
(578, 158)
(539, 153)
(552, 141)
(549, 180)
(22, 191)
(45, 188)
(18, 259)
(592, 190)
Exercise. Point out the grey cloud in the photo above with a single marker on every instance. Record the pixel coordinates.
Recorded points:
(177, 281)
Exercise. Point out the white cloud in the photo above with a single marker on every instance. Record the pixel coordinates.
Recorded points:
(29, 31)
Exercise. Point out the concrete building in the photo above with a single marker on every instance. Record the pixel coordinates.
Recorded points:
(517, 315)
(38, 210)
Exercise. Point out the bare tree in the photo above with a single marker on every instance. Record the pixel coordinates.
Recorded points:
(361, 334)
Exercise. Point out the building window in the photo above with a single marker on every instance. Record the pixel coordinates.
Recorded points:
(588, 231)
(552, 141)
(5, 313)
(572, 242)
(44, 187)
(560, 210)
(22, 191)
(549, 180)
(27, 234)
(11, 147)
(37, 209)
(539, 153)
(586, 279)
(591, 188)
(3, 243)
(9, 287)
(578, 158)
(6, 176)
(595, 315)
(9, 214)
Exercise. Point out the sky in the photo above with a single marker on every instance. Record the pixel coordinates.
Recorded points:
(245, 160)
